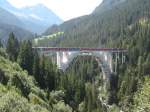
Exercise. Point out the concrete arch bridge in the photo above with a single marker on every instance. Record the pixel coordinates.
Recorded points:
(108, 58)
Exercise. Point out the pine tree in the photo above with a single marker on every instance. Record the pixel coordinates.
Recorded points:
(1, 45)
(49, 74)
(12, 47)
(42, 72)
(36, 66)
(25, 57)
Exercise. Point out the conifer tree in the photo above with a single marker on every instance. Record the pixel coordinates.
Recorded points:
(1, 45)
(25, 57)
(41, 79)
(12, 47)
(36, 66)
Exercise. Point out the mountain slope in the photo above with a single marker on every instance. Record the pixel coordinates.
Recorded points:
(38, 17)
(20, 33)
(9, 18)
(6, 5)
(108, 5)
(96, 29)
(42, 13)
(35, 18)
(10, 23)
(20, 92)
(13, 98)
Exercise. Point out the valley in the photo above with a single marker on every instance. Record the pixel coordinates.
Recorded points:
(31, 82)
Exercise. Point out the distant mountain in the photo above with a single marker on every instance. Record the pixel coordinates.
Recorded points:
(42, 14)
(35, 18)
(20, 33)
(38, 17)
(9, 18)
(10, 23)
(7, 6)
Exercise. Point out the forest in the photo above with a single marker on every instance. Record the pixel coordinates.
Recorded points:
(30, 82)
(33, 82)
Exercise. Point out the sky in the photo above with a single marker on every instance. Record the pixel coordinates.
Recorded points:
(65, 9)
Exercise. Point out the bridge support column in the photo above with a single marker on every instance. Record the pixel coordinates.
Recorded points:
(58, 60)
(116, 61)
(123, 58)
(111, 62)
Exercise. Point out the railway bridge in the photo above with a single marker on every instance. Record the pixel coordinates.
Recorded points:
(107, 58)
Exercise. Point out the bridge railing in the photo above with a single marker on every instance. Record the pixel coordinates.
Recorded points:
(79, 49)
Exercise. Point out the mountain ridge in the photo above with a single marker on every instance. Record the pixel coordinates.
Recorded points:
(10, 23)
(107, 5)
(9, 18)
(97, 28)
(31, 18)
(20, 33)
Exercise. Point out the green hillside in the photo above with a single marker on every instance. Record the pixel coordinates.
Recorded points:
(48, 40)
(30, 82)
(17, 87)
(98, 28)
(19, 91)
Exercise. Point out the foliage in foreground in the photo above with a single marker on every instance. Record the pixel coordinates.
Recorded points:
(12, 101)
(19, 92)
(142, 97)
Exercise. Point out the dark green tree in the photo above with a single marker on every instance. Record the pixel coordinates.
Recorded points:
(25, 57)
(49, 74)
(1, 45)
(36, 66)
(12, 47)
(41, 76)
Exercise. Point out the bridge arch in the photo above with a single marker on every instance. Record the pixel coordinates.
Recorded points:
(107, 58)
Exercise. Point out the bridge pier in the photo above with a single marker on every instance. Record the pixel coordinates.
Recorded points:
(109, 58)
(58, 60)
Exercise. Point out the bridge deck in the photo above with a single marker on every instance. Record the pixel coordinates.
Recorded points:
(79, 49)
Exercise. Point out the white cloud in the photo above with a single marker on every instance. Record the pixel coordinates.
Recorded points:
(65, 9)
